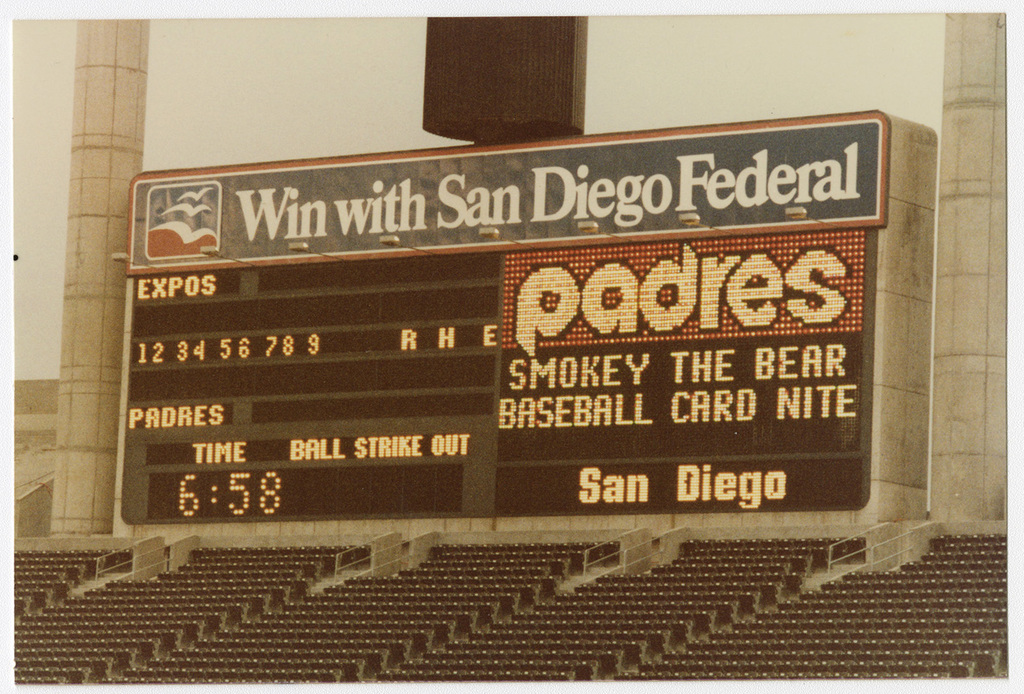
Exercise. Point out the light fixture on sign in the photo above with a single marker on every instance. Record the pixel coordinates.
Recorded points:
(690, 219)
(494, 234)
(693, 221)
(589, 226)
(392, 241)
(214, 252)
(122, 257)
(799, 213)
(303, 247)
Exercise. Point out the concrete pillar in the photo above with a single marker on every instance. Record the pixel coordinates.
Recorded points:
(106, 152)
(969, 406)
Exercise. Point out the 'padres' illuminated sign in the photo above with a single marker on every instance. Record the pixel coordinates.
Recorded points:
(707, 358)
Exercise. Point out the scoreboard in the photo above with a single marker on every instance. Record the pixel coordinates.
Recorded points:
(665, 321)
(683, 375)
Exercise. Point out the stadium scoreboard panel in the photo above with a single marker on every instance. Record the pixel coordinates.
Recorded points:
(440, 333)
(682, 375)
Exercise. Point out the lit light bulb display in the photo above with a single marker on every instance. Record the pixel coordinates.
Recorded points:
(725, 374)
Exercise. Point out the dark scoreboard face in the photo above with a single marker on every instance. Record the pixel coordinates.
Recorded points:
(727, 374)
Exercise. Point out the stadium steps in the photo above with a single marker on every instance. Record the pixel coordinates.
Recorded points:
(328, 582)
(125, 627)
(941, 616)
(94, 583)
(598, 626)
(47, 578)
(721, 610)
(572, 581)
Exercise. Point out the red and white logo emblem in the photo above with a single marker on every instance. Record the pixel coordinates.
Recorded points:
(183, 219)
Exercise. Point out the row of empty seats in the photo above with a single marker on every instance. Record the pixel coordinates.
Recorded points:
(360, 628)
(927, 619)
(124, 626)
(47, 577)
(618, 621)
(513, 612)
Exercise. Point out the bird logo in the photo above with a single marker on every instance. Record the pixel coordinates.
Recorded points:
(183, 219)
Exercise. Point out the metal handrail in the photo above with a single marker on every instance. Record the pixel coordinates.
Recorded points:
(130, 575)
(369, 557)
(337, 558)
(621, 552)
(586, 553)
(35, 479)
(834, 560)
(110, 569)
(135, 571)
(372, 568)
(99, 572)
(640, 559)
(892, 539)
(868, 565)
(48, 477)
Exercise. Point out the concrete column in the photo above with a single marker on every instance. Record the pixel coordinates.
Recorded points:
(106, 152)
(969, 407)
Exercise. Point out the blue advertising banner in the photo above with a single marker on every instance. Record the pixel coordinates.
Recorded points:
(796, 174)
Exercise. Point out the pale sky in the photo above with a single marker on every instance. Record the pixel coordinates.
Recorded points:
(237, 91)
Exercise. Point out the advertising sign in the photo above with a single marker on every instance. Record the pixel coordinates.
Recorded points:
(650, 185)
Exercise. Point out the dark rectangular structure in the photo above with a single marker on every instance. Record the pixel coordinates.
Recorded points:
(728, 373)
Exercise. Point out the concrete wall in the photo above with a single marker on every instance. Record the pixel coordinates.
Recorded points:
(148, 558)
(106, 152)
(32, 512)
(180, 552)
(60, 544)
(969, 425)
(903, 310)
(35, 437)
(35, 431)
